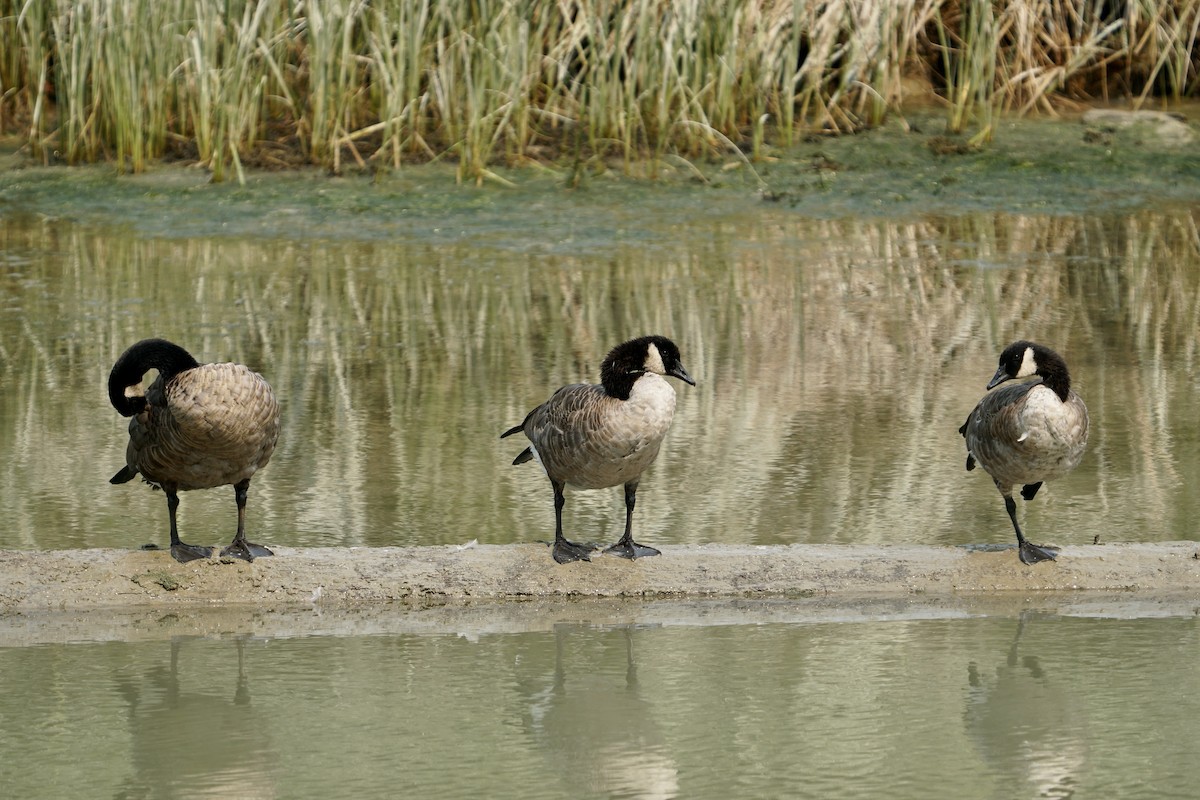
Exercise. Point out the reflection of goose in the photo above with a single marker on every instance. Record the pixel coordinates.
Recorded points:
(193, 743)
(1027, 433)
(598, 723)
(592, 436)
(1025, 726)
(198, 426)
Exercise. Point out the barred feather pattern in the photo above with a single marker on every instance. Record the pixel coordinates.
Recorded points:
(213, 425)
(587, 439)
(1024, 434)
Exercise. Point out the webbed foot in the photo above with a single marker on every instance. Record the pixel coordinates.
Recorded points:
(1032, 553)
(565, 552)
(632, 550)
(247, 551)
(184, 553)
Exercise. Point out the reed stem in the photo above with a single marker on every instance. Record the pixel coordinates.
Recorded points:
(231, 83)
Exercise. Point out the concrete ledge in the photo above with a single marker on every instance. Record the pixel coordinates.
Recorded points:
(348, 577)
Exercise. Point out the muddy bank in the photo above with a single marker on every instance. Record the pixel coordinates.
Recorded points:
(353, 577)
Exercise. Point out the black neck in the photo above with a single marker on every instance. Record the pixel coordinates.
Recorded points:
(618, 379)
(169, 359)
(1056, 378)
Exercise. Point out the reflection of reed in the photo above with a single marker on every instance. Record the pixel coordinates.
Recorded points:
(835, 360)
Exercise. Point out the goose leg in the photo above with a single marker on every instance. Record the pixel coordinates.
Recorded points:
(240, 548)
(1030, 553)
(564, 552)
(627, 547)
(181, 551)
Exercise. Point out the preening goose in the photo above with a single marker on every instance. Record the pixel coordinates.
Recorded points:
(593, 436)
(196, 427)
(1027, 433)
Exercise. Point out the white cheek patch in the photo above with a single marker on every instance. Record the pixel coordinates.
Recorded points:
(654, 361)
(1028, 364)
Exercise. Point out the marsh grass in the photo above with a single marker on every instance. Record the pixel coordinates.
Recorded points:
(501, 82)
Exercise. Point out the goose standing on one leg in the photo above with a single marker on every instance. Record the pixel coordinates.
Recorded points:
(1027, 433)
(197, 426)
(593, 436)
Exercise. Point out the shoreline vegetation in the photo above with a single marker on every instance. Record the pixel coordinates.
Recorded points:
(369, 86)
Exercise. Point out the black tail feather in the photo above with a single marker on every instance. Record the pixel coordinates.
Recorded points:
(126, 474)
(525, 455)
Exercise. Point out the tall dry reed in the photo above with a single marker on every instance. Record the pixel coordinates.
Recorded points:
(333, 82)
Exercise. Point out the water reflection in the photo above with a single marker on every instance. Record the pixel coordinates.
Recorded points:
(191, 738)
(615, 700)
(835, 360)
(1026, 723)
(597, 730)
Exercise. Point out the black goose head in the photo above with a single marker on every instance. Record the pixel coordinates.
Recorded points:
(630, 360)
(1024, 359)
(169, 359)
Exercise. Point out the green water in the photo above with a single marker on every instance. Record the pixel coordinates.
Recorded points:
(404, 328)
(654, 700)
(835, 359)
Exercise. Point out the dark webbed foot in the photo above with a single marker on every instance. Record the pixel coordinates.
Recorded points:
(247, 551)
(632, 550)
(565, 552)
(184, 553)
(1032, 553)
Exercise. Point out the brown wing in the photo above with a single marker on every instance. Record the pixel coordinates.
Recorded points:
(564, 423)
(579, 443)
(993, 431)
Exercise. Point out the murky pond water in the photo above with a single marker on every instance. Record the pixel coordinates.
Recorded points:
(658, 700)
(835, 360)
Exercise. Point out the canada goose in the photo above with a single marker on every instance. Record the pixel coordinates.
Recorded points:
(593, 436)
(1029, 432)
(198, 426)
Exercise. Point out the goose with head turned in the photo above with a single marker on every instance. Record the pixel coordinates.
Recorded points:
(594, 436)
(197, 426)
(1027, 433)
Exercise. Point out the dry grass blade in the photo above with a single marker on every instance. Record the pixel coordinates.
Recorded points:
(505, 81)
